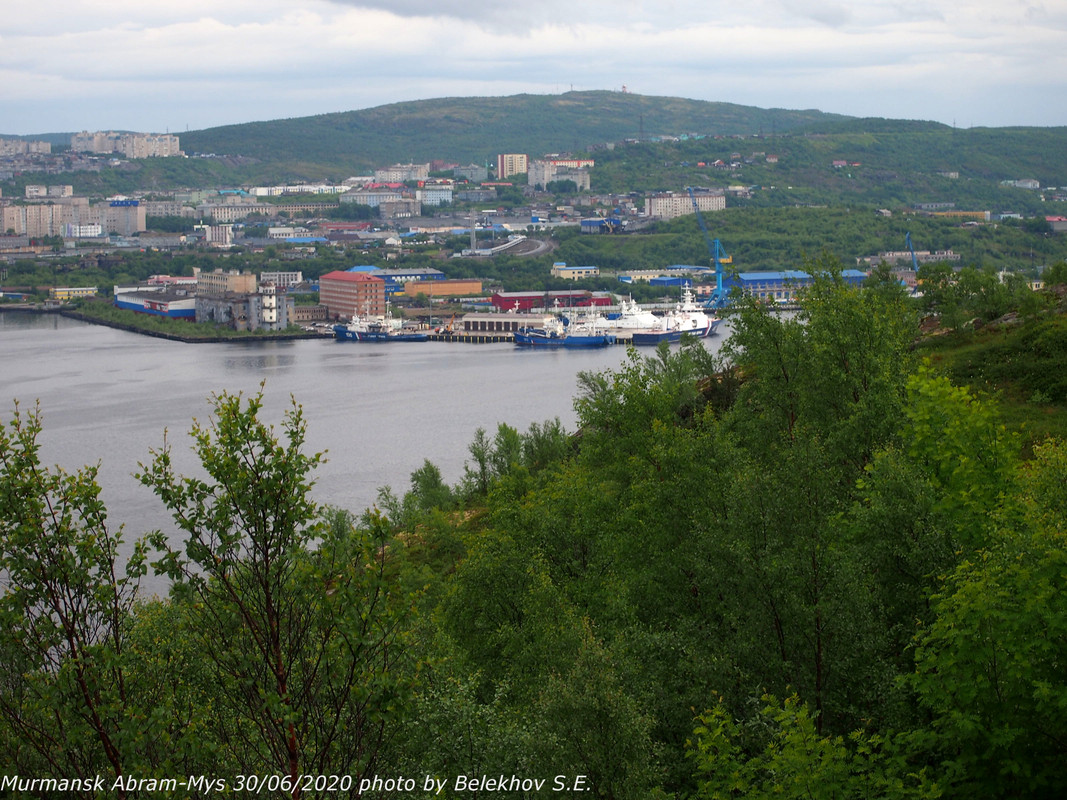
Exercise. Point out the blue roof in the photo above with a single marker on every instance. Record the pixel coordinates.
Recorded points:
(364, 268)
(783, 275)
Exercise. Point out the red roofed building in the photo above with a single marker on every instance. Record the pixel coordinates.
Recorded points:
(351, 294)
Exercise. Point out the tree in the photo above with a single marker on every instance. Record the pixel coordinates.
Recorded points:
(989, 666)
(294, 614)
(64, 697)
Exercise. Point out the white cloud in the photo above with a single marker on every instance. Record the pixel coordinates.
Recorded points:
(68, 65)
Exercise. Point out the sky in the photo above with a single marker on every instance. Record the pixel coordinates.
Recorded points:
(73, 65)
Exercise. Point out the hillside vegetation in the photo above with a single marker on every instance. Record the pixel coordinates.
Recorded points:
(640, 144)
(817, 569)
(475, 129)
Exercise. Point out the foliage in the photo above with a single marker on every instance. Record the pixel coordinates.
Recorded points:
(989, 667)
(795, 761)
(296, 619)
(65, 698)
(818, 516)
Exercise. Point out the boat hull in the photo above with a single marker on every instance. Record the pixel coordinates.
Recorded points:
(651, 338)
(344, 333)
(544, 340)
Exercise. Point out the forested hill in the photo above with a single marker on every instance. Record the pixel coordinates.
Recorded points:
(475, 129)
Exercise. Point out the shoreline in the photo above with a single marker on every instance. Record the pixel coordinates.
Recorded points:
(174, 337)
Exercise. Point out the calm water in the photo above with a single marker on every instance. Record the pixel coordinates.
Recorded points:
(378, 410)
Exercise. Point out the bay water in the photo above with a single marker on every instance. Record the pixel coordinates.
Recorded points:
(378, 410)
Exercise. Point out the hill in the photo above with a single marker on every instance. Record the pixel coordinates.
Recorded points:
(475, 129)
(641, 144)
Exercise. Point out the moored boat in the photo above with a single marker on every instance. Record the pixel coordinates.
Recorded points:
(377, 329)
(555, 332)
(686, 318)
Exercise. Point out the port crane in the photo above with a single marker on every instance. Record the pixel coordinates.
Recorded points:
(718, 256)
(914, 261)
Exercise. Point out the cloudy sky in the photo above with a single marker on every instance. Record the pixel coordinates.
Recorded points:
(71, 65)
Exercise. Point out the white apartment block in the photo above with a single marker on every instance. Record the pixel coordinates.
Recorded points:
(283, 280)
(543, 172)
(668, 205)
(372, 197)
(167, 208)
(233, 212)
(124, 217)
(434, 194)
(131, 145)
(398, 173)
(508, 164)
(18, 147)
(216, 235)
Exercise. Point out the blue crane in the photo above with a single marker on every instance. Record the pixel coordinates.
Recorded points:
(718, 256)
(914, 261)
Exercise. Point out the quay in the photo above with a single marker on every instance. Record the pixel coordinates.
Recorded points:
(492, 337)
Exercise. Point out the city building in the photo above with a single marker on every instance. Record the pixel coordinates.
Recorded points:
(263, 309)
(397, 279)
(20, 147)
(508, 164)
(782, 286)
(124, 217)
(434, 194)
(668, 205)
(565, 298)
(283, 280)
(456, 287)
(131, 145)
(352, 294)
(173, 303)
(472, 172)
(167, 208)
(399, 173)
(220, 282)
(216, 235)
(65, 293)
(545, 171)
(561, 270)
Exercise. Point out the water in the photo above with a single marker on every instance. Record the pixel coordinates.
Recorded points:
(378, 410)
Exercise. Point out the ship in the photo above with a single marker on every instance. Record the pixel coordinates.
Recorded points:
(559, 332)
(686, 318)
(377, 329)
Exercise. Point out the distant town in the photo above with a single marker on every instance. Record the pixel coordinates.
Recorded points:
(383, 210)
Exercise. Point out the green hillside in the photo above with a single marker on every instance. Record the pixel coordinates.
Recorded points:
(475, 129)
(640, 144)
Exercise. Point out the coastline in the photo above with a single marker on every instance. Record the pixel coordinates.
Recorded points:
(174, 337)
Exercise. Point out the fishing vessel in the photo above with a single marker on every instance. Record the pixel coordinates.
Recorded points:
(561, 332)
(378, 328)
(687, 317)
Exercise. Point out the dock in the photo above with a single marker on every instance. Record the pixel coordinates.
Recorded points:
(494, 337)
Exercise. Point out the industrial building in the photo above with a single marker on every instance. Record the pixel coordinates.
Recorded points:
(781, 286)
(170, 303)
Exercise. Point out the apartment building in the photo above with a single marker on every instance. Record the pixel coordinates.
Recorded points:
(511, 164)
(131, 145)
(668, 205)
(544, 171)
(124, 217)
(222, 282)
(20, 147)
(398, 173)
